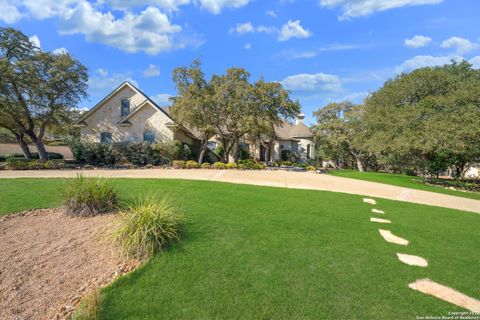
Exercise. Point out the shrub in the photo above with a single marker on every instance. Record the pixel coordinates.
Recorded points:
(219, 165)
(35, 156)
(35, 165)
(89, 196)
(147, 226)
(54, 164)
(89, 308)
(286, 155)
(206, 165)
(259, 166)
(231, 166)
(191, 164)
(179, 164)
(247, 164)
(311, 168)
(3, 158)
(17, 164)
(137, 153)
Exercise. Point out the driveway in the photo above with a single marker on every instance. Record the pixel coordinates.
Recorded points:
(295, 180)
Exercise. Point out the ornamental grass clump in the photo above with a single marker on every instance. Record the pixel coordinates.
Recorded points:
(147, 226)
(89, 196)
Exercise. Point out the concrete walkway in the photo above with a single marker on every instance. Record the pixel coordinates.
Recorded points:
(295, 180)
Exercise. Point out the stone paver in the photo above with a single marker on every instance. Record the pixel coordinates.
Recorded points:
(296, 180)
(445, 293)
(390, 237)
(412, 260)
(378, 211)
(378, 220)
(369, 201)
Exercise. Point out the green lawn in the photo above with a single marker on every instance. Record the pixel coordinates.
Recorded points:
(401, 180)
(254, 252)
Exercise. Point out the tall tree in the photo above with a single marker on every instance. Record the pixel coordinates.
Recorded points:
(429, 118)
(232, 101)
(339, 126)
(193, 106)
(36, 88)
(270, 107)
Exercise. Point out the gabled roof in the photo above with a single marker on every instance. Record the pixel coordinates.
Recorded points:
(288, 131)
(113, 93)
(300, 130)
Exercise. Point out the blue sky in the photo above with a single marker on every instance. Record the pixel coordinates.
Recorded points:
(321, 50)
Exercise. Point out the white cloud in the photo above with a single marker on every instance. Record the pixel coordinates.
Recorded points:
(425, 61)
(151, 71)
(34, 40)
(248, 27)
(242, 28)
(293, 29)
(149, 31)
(293, 54)
(418, 41)
(102, 72)
(271, 13)
(9, 11)
(358, 8)
(162, 98)
(247, 46)
(461, 45)
(168, 5)
(60, 51)
(475, 61)
(311, 82)
(101, 83)
(216, 6)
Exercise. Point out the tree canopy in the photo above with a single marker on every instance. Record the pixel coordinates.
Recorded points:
(230, 106)
(37, 88)
(427, 121)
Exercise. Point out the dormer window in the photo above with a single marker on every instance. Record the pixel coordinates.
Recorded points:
(125, 108)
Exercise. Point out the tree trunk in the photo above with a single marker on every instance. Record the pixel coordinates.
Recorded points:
(203, 150)
(225, 150)
(42, 152)
(24, 146)
(236, 154)
(359, 162)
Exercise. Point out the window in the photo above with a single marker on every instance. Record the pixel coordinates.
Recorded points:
(211, 145)
(308, 151)
(125, 108)
(106, 137)
(149, 137)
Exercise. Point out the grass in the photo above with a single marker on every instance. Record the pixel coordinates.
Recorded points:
(401, 180)
(252, 252)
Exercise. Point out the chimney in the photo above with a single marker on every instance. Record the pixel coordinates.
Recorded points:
(300, 118)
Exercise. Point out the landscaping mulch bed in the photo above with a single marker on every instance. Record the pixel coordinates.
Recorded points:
(49, 261)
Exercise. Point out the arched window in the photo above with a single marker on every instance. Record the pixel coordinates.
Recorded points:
(106, 137)
(149, 137)
(308, 151)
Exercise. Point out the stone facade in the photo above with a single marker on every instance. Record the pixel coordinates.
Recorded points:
(147, 117)
(106, 118)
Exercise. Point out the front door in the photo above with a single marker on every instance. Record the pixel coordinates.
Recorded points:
(263, 152)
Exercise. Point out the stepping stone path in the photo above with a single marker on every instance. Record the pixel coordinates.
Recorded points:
(445, 293)
(370, 201)
(412, 260)
(390, 237)
(425, 286)
(380, 220)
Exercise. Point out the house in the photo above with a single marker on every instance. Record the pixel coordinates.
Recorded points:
(127, 114)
